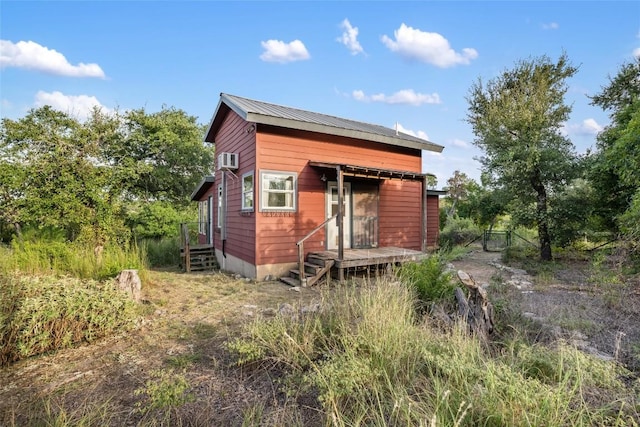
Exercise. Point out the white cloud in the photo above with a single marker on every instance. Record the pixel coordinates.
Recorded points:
(551, 26)
(79, 106)
(420, 134)
(459, 143)
(587, 127)
(431, 48)
(349, 38)
(279, 51)
(636, 52)
(32, 56)
(404, 96)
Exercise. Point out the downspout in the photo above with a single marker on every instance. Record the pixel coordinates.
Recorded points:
(223, 232)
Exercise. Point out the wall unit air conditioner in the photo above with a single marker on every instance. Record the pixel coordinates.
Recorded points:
(227, 161)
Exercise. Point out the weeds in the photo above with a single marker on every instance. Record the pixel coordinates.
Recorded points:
(369, 361)
(41, 314)
(63, 258)
(165, 390)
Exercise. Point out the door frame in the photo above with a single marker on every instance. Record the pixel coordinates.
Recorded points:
(331, 231)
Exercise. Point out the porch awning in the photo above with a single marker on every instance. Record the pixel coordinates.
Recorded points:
(368, 172)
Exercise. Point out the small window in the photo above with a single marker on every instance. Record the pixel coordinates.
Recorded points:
(247, 191)
(220, 213)
(278, 191)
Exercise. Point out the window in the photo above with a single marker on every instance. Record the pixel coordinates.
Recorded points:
(247, 191)
(278, 191)
(220, 213)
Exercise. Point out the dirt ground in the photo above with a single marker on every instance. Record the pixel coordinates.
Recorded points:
(570, 301)
(190, 316)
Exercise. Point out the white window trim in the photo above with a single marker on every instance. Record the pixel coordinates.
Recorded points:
(264, 192)
(253, 186)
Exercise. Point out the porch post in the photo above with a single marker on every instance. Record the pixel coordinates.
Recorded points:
(423, 216)
(340, 221)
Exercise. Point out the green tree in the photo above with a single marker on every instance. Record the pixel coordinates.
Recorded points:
(160, 156)
(517, 118)
(457, 188)
(50, 173)
(59, 172)
(484, 205)
(615, 166)
(158, 219)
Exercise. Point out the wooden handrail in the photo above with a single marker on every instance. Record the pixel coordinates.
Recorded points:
(312, 232)
(300, 243)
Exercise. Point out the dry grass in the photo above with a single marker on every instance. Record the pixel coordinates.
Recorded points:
(189, 316)
(188, 319)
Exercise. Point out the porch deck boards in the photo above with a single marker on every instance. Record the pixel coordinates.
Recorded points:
(373, 256)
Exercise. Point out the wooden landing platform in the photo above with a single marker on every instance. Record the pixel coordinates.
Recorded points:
(368, 257)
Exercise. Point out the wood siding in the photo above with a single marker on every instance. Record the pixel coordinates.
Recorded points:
(400, 209)
(290, 151)
(433, 221)
(237, 136)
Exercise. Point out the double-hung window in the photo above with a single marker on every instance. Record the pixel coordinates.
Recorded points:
(247, 191)
(278, 191)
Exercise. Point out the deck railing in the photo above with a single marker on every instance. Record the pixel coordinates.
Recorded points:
(300, 244)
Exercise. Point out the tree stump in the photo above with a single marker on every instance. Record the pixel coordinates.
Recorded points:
(476, 309)
(128, 281)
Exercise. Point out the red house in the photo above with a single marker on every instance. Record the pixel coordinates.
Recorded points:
(297, 193)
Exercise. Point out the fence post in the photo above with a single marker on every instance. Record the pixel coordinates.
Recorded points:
(187, 252)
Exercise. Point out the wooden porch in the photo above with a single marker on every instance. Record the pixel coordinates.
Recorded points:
(370, 257)
(323, 263)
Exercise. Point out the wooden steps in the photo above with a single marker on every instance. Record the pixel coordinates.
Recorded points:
(314, 269)
(201, 258)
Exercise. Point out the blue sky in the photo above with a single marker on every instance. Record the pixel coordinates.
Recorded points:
(410, 63)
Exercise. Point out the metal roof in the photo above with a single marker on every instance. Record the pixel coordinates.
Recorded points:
(293, 118)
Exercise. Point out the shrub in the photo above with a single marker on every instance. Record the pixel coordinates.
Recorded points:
(459, 231)
(428, 279)
(42, 314)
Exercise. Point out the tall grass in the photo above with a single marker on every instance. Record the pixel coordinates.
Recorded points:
(369, 360)
(163, 252)
(39, 314)
(68, 259)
